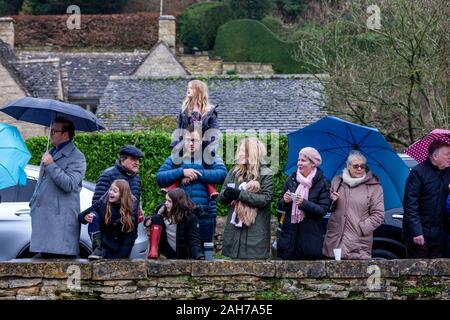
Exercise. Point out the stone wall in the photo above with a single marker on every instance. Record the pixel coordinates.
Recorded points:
(201, 64)
(247, 68)
(7, 31)
(225, 279)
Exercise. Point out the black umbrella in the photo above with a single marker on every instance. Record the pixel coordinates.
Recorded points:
(44, 112)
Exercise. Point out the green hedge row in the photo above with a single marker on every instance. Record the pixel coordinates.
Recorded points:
(198, 24)
(101, 151)
(250, 40)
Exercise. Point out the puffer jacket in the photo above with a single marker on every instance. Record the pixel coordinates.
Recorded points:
(169, 173)
(107, 177)
(357, 213)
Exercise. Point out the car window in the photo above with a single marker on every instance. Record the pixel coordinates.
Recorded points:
(18, 193)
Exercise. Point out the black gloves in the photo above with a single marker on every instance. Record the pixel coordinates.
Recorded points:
(231, 193)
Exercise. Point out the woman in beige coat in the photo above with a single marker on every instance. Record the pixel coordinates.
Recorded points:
(357, 210)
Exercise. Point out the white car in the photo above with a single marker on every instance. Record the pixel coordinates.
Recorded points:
(15, 221)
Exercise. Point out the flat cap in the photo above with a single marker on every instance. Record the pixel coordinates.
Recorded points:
(130, 150)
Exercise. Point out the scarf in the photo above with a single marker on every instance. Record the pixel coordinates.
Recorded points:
(352, 182)
(304, 184)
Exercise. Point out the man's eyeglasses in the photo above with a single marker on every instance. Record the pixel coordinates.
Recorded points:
(195, 140)
(52, 131)
(356, 166)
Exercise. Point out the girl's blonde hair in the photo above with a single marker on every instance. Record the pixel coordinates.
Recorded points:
(126, 205)
(200, 98)
(255, 151)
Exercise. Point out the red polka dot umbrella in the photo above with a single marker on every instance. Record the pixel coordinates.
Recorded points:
(419, 149)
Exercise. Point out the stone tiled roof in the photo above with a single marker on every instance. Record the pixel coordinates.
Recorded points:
(285, 103)
(85, 75)
(42, 78)
(38, 78)
(7, 58)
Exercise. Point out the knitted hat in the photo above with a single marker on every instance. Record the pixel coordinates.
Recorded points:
(312, 154)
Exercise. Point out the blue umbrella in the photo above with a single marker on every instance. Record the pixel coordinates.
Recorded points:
(44, 112)
(14, 157)
(334, 138)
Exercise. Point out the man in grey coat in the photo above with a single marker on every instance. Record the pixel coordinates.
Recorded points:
(55, 230)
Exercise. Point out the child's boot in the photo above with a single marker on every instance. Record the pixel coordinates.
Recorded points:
(97, 252)
(155, 235)
(173, 186)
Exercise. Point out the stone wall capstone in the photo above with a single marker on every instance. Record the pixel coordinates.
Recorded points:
(37, 279)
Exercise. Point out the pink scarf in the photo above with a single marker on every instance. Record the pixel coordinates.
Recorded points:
(304, 184)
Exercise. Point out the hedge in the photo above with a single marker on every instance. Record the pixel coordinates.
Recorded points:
(250, 40)
(126, 31)
(101, 151)
(198, 24)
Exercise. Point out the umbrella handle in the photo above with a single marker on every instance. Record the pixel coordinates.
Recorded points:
(48, 138)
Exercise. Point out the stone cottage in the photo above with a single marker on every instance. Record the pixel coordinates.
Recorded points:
(126, 87)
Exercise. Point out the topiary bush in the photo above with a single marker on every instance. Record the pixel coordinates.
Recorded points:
(101, 151)
(198, 24)
(275, 25)
(250, 40)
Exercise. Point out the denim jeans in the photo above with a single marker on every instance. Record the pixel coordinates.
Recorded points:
(94, 226)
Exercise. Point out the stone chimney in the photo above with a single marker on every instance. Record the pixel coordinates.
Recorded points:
(7, 30)
(167, 30)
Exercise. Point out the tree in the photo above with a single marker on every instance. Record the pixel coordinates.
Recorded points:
(39, 7)
(2, 8)
(198, 24)
(9, 7)
(395, 78)
(291, 9)
(251, 9)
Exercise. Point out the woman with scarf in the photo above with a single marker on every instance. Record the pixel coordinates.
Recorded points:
(305, 200)
(357, 210)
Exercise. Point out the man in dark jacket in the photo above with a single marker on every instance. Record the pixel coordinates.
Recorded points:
(424, 204)
(126, 168)
(195, 170)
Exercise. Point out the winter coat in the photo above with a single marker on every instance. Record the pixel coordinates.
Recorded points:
(209, 121)
(107, 177)
(304, 240)
(426, 191)
(448, 204)
(251, 242)
(188, 243)
(55, 204)
(169, 173)
(357, 213)
(116, 244)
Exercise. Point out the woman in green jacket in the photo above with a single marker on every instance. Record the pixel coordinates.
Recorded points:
(241, 241)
